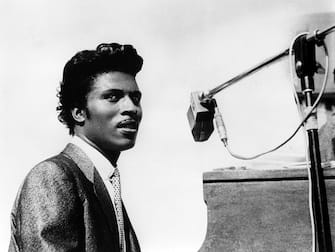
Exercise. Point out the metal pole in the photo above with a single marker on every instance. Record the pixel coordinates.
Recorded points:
(317, 36)
(246, 73)
(305, 68)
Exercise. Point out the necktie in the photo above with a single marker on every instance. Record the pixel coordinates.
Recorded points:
(115, 180)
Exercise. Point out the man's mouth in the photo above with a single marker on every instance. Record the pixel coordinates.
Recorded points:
(128, 126)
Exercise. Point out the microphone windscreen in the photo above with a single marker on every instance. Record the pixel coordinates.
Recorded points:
(200, 117)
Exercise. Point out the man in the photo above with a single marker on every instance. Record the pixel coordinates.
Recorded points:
(72, 201)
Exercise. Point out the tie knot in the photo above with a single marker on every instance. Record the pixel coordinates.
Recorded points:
(115, 174)
(115, 180)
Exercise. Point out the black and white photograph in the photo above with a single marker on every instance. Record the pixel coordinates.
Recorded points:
(167, 126)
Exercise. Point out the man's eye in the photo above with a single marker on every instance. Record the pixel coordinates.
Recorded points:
(136, 97)
(112, 98)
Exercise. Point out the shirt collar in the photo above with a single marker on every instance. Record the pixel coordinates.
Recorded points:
(101, 163)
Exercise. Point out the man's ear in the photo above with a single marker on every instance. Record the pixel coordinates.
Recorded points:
(78, 115)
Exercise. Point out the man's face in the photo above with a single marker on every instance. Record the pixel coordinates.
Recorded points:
(113, 112)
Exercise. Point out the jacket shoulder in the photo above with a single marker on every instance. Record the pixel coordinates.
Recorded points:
(54, 167)
(48, 208)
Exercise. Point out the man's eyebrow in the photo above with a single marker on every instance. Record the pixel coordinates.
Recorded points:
(113, 90)
(120, 91)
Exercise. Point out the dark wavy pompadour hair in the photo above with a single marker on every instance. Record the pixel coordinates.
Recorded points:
(81, 70)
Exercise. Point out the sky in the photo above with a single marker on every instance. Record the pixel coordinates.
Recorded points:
(187, 46)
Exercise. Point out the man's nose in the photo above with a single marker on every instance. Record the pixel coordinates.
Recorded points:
(128, 105)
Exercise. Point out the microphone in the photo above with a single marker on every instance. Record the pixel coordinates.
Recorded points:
(200, 116)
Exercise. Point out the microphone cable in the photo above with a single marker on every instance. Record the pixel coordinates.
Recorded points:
(224, 138)
(222, 130)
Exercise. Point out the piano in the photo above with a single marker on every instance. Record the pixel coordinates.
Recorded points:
(261, 210)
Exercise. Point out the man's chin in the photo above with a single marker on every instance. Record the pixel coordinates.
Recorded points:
(117, 144)
(127, 147)
(126, 144)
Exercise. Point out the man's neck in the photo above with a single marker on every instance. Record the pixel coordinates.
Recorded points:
(112, 156)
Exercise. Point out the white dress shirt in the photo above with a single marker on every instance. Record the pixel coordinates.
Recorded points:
(104, 167)
(100, 162)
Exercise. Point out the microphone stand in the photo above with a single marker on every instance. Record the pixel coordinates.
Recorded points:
(305, 66)
(304, 50)
(210, 93)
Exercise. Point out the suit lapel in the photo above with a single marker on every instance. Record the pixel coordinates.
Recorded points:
(90, 172)
(131, 239)
(106, 204)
